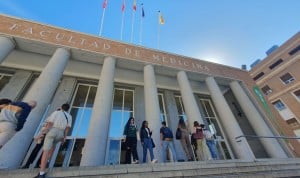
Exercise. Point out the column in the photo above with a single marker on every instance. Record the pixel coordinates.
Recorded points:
(272, 146)
(96, 142)
(14, 151)
(230, 125)
(188, 99)
(152, 111)
(6, 46)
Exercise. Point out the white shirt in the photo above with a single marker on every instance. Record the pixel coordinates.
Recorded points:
(58, 118)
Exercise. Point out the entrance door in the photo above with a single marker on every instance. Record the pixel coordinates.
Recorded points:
(121, 111)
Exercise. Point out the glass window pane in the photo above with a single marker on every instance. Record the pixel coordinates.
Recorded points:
(4, 80)
(84, 124)
(114, 152)
(91, 97)
(179, 108)
(126, 116)
(128, 103)
(161, 106)
(115, 128)
(76, 116)
(80, 96)
(208, 109)
(118, 100)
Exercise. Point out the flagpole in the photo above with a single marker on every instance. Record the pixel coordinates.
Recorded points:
(158, 29)
(102, 20)
(141, 25)
(132, 25)
(122, 22)
(141, 30)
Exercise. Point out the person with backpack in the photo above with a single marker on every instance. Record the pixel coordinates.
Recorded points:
(12, 119)
(166, 137)
(202, 150)
(130, 133)
(58, 126)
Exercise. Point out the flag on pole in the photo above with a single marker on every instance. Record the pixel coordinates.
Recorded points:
(123, 6)
(143, 12)
(104, 4)
(161, 19)
(134, 5)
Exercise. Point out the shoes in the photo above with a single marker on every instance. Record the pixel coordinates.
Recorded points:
(135, 162)
(154, 161)
(40, 176)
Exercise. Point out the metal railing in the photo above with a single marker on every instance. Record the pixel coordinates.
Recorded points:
(256, 136)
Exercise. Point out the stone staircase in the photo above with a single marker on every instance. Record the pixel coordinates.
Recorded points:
(214, 169)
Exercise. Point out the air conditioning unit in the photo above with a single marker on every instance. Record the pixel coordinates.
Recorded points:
(289, 80)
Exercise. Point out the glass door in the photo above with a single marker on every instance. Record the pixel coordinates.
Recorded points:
(123, 104)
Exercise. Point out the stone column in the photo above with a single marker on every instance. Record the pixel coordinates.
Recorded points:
(6, 46)
(272, 146)
(96, 142)
(16, 84)
(241, 146)
(188, 99)
(14, 151)
(152, 111)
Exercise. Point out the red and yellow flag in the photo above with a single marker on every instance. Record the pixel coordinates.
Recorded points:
(134, 5)
(161, 19)
(104, 4)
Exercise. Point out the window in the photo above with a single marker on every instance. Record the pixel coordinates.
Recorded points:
(258, 76)
(287, 78)
(279, 105)
(295, 50)
(163, 113)
(297, 94)
(180, 108)
(4, 79)
(275, 64)
(266, 90)
(292, 122)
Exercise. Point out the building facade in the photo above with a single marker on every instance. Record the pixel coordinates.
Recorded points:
(277, 76)
(107, 81)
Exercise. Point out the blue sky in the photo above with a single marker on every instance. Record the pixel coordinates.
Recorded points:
(230, 32)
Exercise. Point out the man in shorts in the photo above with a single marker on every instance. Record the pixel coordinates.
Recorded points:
(58, 126)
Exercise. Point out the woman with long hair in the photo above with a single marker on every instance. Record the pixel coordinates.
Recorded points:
(185, 139)
(146, 141)
(130, 132)
(202, 150)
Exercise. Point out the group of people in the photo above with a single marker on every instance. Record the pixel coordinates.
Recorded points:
(204, 142)
(13, 117)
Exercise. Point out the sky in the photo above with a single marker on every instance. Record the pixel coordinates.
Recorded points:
(229, 32)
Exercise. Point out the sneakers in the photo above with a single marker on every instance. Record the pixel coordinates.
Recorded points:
(154, 161)
(40, 176)
(135, 162)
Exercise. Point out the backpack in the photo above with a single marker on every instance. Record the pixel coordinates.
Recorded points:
(167, 133)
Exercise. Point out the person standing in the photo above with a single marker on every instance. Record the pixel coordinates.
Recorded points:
(130, 132)
(202, 150)
(166, 137)
(12, 119)
(146, 141)
(210, 142)
(185, 139)
(58, 126)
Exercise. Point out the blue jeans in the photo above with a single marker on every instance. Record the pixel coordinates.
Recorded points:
(211, 144)
(169, 144)
(147, 145)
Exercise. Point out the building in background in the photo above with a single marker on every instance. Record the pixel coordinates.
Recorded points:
(278, 77)
(106, 82)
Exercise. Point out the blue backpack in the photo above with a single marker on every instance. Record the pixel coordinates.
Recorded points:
(167, 133)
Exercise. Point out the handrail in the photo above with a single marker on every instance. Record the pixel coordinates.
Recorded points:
(277, 137)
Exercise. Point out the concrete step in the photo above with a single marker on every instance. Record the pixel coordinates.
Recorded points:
(215, 169)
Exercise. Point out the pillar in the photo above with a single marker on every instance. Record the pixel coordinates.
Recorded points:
(188, 99)
(6, 46)
(152, 111)
(12, 154)
(229, 123)
(272, 146)
(96, 142)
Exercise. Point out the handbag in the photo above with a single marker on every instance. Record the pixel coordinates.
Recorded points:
(153, 145)
(198, 134)
(178, 134)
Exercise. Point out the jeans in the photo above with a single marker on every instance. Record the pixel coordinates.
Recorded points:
(147, 145)
(169, 144)
(211, 144)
